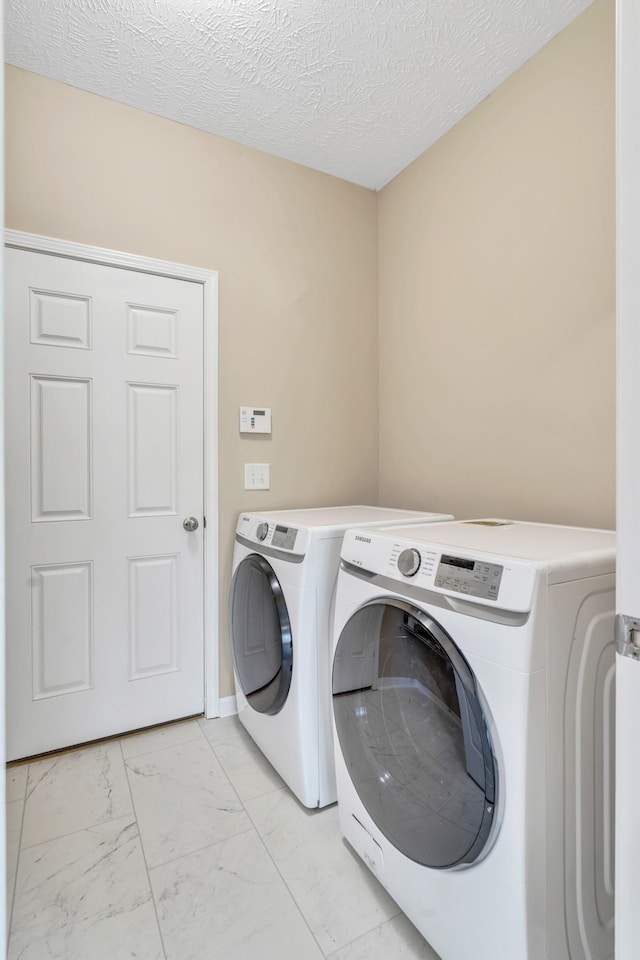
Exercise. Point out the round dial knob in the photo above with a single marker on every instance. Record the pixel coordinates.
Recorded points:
(409, 562)
(262, 531)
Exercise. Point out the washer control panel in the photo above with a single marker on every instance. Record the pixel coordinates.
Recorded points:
(400, 555)
(475, 578)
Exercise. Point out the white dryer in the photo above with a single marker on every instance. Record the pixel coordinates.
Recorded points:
(285, 565)
(473, 702)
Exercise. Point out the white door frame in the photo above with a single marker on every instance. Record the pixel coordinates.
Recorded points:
(628, 470)
(209, 281)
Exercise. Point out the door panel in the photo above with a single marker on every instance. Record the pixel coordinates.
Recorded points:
(153, 615)
(62, 628)
(60, 321)
(105, 459)
(61, 444)
(153, 450)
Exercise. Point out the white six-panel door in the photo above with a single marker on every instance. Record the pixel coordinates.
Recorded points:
(104, 388)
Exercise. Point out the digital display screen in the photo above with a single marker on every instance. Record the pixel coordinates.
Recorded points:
(459, 562)
(258, 413)
(284, 537)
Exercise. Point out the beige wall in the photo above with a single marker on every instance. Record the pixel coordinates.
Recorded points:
(296, 252)
(496, 293)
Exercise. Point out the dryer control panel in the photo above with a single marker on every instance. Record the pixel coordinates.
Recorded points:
(264, 533)
(474, 578)
(413, 563)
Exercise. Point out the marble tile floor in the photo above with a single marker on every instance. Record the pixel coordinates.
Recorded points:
(183, 843)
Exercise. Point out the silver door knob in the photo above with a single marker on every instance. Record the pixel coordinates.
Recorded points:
(190, 524)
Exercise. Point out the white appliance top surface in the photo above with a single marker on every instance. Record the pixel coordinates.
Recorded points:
(350, 516)
(537, 542)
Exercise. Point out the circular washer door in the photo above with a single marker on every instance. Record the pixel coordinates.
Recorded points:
(260, 634)
(413, 734)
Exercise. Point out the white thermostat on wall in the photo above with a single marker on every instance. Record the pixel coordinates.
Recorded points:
(255, 420)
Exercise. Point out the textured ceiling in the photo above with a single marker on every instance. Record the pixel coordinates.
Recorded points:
(356, 88)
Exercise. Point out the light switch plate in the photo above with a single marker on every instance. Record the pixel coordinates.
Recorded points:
(256, 476)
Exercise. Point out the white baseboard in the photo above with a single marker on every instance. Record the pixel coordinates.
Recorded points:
(227, 706)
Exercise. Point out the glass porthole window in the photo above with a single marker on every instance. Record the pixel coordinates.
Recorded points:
(413, 734)
(260, 634)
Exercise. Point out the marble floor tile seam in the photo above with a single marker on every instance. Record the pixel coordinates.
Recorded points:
(296, 900)
(300, 909)
(16, 783)
(287, 887)
(412, 944)
(205, 846)
(352, 943)
(72, 833)
(150, 753)
(245, 749)
(213, 750)
(324, 894)
(250, 750)
(361, 936)
(73, 791)
(208, 723)
(228, 773)
(144, 855)
(212, 747)
(184, 801)
(13, 895)
(294, 894)
(96, 882)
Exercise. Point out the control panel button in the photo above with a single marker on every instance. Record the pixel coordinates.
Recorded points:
(409, 562)
(262, 531)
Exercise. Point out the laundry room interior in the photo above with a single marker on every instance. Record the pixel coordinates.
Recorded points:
(442, 341)
(446, 343)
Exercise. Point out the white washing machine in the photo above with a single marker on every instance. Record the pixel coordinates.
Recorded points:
(473, 703)
(285, 565)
